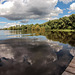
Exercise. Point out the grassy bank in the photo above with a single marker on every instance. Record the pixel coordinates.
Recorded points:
(66, 30)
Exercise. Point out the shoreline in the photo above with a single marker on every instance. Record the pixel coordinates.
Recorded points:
(65, 30)
(52, 30)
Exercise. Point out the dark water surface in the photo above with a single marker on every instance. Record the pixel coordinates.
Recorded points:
(35, 52)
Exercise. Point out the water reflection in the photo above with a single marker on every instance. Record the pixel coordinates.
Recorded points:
(62, 37)
(29, 57)
(35, 52)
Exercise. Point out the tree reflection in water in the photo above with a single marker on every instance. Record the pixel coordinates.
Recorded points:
(61, 36)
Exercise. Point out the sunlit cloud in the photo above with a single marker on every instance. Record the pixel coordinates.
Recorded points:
(24, 21)
(29, 9)
(3, 22)
(72, 7)
(10, 24)
(66, 15)
(66, 1)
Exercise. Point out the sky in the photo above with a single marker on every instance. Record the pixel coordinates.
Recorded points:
(14, 12)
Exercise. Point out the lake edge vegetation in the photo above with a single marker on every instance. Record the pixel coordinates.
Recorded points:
(61, 24)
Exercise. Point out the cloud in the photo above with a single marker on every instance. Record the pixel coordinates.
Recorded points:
(66, 15)
(72, 7)
(24, 21)
(3, 22)
(66, 1)
(52, 18)
(10, 24)
(69, 12)
(29, 9)
(1, 1)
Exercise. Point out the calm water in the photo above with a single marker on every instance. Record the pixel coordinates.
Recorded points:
(35, 52)
(64, 38)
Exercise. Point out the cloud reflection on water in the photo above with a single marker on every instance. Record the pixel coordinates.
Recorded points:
(31, 57)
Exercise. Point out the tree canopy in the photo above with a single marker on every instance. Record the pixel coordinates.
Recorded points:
(61, 23)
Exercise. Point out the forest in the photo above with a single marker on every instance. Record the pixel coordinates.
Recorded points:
(57, 24)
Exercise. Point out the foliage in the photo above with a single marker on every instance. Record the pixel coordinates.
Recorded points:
(62, 23)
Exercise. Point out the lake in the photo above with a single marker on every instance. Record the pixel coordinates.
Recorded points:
(35, 52)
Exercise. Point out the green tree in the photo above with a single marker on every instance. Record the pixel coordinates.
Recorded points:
(37, 27)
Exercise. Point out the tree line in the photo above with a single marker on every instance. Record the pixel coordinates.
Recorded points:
(61, 23)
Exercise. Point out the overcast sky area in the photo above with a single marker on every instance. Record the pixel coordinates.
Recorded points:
(13, 12)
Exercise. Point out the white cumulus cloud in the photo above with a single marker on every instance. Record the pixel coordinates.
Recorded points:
(10, 24)
(29, 9)
(72, 7)
(66, 15)
(2, 1)
(3, 22)
(66, 1)
(24, 21)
